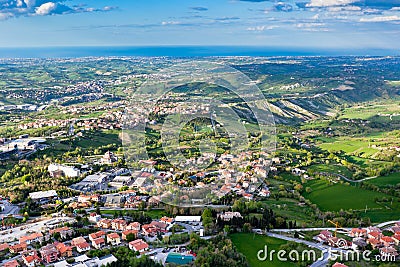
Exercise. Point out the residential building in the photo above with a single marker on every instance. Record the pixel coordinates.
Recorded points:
(138, 245)
(113, 239)
(98, 243)
(99, 234)
(49, 253)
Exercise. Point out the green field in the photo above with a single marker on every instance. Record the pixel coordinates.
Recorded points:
(382, 181)
(97, 139)
(359, 146)
(339, 196)
(289, 208)
(369, 110)
(249, 244)
(331, 168)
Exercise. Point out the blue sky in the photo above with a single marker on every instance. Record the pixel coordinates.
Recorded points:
(335, 24)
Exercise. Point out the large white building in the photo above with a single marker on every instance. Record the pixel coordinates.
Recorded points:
(43, 194)
(68, 171)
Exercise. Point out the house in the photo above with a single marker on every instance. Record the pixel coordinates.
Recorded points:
(160, 226)
(134, 226)
(4, 246)
(324, 236)
(375, 235)
(149, 230)
(64, 250)
(77, 240)
(94, 217)
(99, 234)
(387, 241)
(104, 223)
(82, 247)
(113, 239)
(375, 243)
(118, 224)
(167, 220)
(109, 158)
(65, 232)
(264, 193)
(247, 196)
(32, 238)
(13, 263)
(388, 252)
(31, 259)
(396, 239)
(18, 248)
(49, 253)
(98, 243)
(337, 264)
(229, 215)
(138, 245)
(358, 232)
(127, 232)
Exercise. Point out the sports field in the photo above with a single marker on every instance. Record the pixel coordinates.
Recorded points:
(249, 244)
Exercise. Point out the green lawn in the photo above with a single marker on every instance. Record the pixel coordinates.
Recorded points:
(382, 181)
(249, 244)
(339, 196)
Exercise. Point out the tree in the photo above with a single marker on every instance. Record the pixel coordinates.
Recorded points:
(130, 237)
(207, 218)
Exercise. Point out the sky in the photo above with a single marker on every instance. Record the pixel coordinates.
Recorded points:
(336, 24)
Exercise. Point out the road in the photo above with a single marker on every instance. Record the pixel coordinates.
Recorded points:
(341, 229)
(381, 225)
(321, 261)
(347, 179)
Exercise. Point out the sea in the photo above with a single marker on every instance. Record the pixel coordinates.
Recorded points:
(181, 51)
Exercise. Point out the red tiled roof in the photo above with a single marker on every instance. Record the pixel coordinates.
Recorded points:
(4, 246)
(12, 263)
(113, 235)
(138, 244)
(98, 241)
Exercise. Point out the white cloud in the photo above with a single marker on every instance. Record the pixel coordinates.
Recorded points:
(17, 8)
(343, 8)
(312, 27)
(170, 23)
(328, 3)
(262, 28)
(46, 8)
(380, 19)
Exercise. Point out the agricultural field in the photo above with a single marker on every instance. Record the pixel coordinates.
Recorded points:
(383, 181)
(359, 146)
(331, 168)
(366, 111)
(242, 241)
(98, 139)
(289, 208)
(334, 197)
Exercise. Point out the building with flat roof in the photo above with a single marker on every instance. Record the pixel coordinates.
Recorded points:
(188, 219)
(43, 194)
